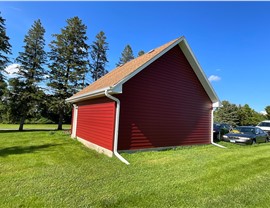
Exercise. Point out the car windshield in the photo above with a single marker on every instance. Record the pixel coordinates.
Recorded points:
(217, 126)
(264, 124)
(246, 130)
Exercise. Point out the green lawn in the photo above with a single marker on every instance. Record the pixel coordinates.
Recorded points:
(48, 169)
(33, 126)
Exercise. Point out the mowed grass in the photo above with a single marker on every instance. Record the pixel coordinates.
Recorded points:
(48, 169)
(33, 126)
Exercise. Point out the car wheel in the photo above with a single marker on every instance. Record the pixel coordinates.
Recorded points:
(253, 141)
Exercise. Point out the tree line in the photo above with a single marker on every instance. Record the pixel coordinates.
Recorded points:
(44, 79)
(238, 115)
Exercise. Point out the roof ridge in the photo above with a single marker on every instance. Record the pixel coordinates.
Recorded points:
(119, 73)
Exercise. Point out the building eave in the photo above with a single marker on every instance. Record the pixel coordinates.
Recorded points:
(86, 96)
(192, 61)
(117, 88)
(198, 71)
(123, 81)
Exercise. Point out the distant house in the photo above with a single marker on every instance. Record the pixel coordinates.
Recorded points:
(158, 100)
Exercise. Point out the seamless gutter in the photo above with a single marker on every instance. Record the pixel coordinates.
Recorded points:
(88, 95)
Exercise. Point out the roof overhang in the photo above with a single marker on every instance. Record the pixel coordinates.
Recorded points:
(198, 71)
(119, 84)
(91, 95)
(192, 61)
(117, 88)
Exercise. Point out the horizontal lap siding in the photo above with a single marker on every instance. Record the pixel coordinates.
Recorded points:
(96, 122)
(164, 105)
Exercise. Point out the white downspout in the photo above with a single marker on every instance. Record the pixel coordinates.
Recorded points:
(116, 128)
(75, 121)
(212, 124)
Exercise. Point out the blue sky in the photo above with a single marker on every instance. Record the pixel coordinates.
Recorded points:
(231, 40)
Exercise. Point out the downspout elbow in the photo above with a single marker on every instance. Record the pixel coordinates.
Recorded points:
(212, 136)
(218, 145)
(116, 127)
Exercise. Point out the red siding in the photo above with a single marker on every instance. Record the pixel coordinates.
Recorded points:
(96, 120)
(164, 105)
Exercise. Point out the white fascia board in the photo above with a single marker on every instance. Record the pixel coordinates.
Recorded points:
(198, 71)
(119, 84)
(117, 88)
(192, 61)
(85, 96)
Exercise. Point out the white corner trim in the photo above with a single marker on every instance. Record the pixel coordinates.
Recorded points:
(74, 121)
(96, 147)
(212, 130)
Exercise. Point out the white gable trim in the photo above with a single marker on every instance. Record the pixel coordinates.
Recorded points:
(123, 81)
(117, 88)
(192, 61)
(198, 71)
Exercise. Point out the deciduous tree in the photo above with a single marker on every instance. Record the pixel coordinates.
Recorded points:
(248, 116)
(237, 115)
(228, 113)
(267, 109)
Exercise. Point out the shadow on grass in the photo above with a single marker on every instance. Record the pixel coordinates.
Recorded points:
(24, 149)
(29, 130)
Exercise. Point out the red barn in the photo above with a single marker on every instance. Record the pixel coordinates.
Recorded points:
(161, 99)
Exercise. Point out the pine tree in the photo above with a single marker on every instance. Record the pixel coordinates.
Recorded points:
(68, 64)
(25, 88)
(141, 52)
(98, 54)
(5, 49)
(3, 86)
(127, 55)
(33, 58)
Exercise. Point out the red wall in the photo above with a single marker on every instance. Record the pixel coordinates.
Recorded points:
(96, 120)
(164, 105)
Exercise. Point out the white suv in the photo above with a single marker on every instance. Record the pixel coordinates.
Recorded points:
(265, 125)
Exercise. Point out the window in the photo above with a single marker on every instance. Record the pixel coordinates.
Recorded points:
(265, 124)
(257, 131)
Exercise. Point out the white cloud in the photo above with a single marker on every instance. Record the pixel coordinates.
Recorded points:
(263, 112)
(11, 70)
(214, 78)
(16, 9)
